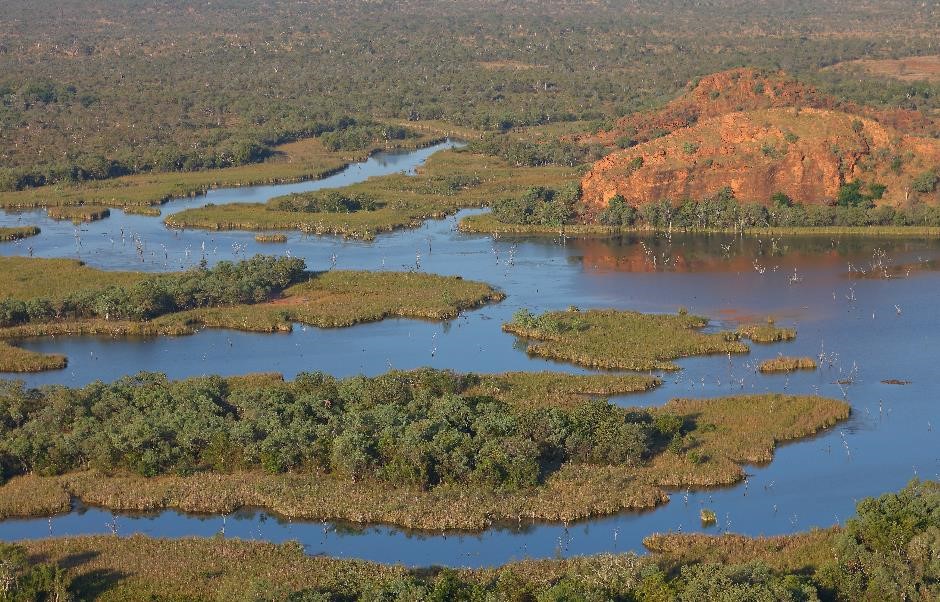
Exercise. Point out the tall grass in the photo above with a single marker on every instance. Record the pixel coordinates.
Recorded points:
(17, 233)
(787, 364)
(81, 213)
(14, 359)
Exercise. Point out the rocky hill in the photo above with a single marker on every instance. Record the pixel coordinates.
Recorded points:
(760, 136)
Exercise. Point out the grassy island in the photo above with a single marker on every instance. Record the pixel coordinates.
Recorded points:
(619, 340)
(262, 294)
(17, 233)
(787, 364)
(841, 564)
(80, 213)
(425, 449)
(448, 181)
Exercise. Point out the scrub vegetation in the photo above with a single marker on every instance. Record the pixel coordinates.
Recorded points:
(883, 553)
(619, 340)
(425, 449)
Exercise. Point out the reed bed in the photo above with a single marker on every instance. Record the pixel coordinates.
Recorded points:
(448, 181)
(620, 340)
(80, 213)
(146, 210)
(766, 333)
(785, 553)
(273, 238)
(15, 359)
(17, 233)
(787, 364)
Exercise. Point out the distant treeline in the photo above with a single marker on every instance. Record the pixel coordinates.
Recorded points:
(341, 133)
(250, 281)
(182, 91)
(416, 428)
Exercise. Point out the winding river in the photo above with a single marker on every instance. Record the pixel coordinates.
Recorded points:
(870, 327)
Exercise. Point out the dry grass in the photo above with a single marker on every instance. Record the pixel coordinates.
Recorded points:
(783, 553)
(787, 364)
(407, 200)
(747, 428)
(727, 432)
(14, 359)
(17, 233)
(908, 69)
(624, 340)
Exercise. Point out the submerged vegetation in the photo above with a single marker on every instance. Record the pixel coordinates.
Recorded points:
(883, 553)
(623, 340)
(425, 449)
(17, 233)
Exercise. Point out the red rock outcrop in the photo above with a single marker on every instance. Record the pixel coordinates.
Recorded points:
(807, 153)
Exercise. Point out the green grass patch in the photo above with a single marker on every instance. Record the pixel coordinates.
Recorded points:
(619, 340)
(26, 278)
